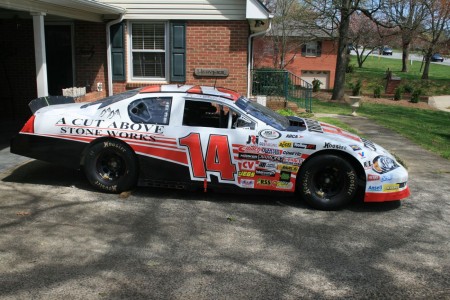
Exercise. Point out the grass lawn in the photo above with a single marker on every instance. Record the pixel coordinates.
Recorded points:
(428, 128)
(374, 69)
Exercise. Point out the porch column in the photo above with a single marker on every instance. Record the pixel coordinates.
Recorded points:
(39, 53)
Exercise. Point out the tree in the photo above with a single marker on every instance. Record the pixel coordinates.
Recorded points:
(364, 36)
(438, 23)
(408, 16)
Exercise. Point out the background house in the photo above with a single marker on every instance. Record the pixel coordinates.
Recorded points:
(310, 54)
(110, 46)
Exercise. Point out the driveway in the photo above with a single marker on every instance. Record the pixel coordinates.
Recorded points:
(60, 239)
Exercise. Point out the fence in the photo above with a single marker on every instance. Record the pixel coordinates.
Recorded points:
(274, 83)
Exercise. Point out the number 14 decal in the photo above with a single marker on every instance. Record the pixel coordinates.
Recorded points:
(218, 156)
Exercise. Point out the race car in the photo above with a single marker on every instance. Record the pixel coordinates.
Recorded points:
(207, 137)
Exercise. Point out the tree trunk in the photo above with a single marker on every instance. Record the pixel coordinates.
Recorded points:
(342, 57)
(426, 68)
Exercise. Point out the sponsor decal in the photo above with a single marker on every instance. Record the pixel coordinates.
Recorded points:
(375, 188)
(369, 144)
(391, 187)
(355, 147)
(288, 152)
(367, 165)
(371, 177)
(124, 130)
(270, 151)
(288, 168)
(333, 146)
(285, 176)
(247, 183)
(304, 146)
(383, 164)
(248, 156)
(249, 149)
(247, 165)
(268, 173)
(266, 182)
(361, 155)
(267, 144)
(283, 185)
(313, 125)
(270, 157)
(293, 160)
(270, 134)
(246, 174)
(385, 178)
(293, 136)
(267, 165)
(285, 144)
(252, 140)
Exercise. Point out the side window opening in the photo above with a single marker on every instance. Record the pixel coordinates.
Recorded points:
(150, 110)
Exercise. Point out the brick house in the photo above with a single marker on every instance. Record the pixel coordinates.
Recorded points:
(109, 46)
(312, 54)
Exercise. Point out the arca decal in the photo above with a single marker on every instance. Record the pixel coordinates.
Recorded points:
(218, 156)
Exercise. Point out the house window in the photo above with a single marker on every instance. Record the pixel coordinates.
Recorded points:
(313, 48)
(148, 50)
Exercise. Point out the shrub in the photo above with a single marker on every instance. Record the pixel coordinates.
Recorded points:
(350, 68)
(316, 85)
(398, 93)
(407, 88)
(377, 91)
(415, 96)
(356, 87)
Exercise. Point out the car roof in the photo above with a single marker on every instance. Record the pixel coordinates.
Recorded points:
(192, 89)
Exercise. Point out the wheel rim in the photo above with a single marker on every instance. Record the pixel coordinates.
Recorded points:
(110, 166)
(328, 182)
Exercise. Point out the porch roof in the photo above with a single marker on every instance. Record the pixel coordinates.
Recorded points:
(86, 10)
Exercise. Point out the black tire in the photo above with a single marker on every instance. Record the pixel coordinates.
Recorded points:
(111, 166)
(327, 182)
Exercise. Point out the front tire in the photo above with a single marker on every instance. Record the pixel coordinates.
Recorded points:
(111, 166)
(327, 182)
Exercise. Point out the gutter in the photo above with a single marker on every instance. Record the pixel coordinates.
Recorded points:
(250, 55)
(108, 52)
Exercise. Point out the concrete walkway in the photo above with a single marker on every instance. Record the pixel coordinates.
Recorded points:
(440, 102)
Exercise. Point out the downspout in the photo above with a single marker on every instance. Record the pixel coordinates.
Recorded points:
(250, 55)
(108, 51)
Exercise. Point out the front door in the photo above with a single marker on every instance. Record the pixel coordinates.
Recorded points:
(58, 44)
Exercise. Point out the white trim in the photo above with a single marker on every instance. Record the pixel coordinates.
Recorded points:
(39, 54)
(129, 55)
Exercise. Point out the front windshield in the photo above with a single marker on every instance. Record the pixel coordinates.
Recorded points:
(263, 113)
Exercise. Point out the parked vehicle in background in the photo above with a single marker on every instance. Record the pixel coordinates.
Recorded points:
(387, 51)
(437, 58)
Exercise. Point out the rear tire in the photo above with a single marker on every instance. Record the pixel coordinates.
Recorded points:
(327, 182)
(111, 166)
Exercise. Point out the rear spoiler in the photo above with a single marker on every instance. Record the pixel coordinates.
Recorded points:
(49, 100)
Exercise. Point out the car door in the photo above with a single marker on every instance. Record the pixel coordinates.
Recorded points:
(213, 134)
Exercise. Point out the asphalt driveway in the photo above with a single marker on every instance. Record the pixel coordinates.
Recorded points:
(61, 239)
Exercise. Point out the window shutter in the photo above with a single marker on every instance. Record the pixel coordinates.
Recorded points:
(117, 52)
(304, 50)
(319, 48)
(178, 51)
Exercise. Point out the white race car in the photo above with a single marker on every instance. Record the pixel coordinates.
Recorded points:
(207, 137)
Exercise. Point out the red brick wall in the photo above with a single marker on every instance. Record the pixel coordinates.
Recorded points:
(211, 44)
(325, 62)
(17, 68)
(218, 44)
(90, 56)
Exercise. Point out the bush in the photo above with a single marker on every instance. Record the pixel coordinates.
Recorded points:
(350, 68)
(407, 88)
(316, 83)
(398, 93)
(377, 91)
(356, 88)
(415, 96)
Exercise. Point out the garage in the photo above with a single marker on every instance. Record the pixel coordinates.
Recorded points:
(323, 76)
